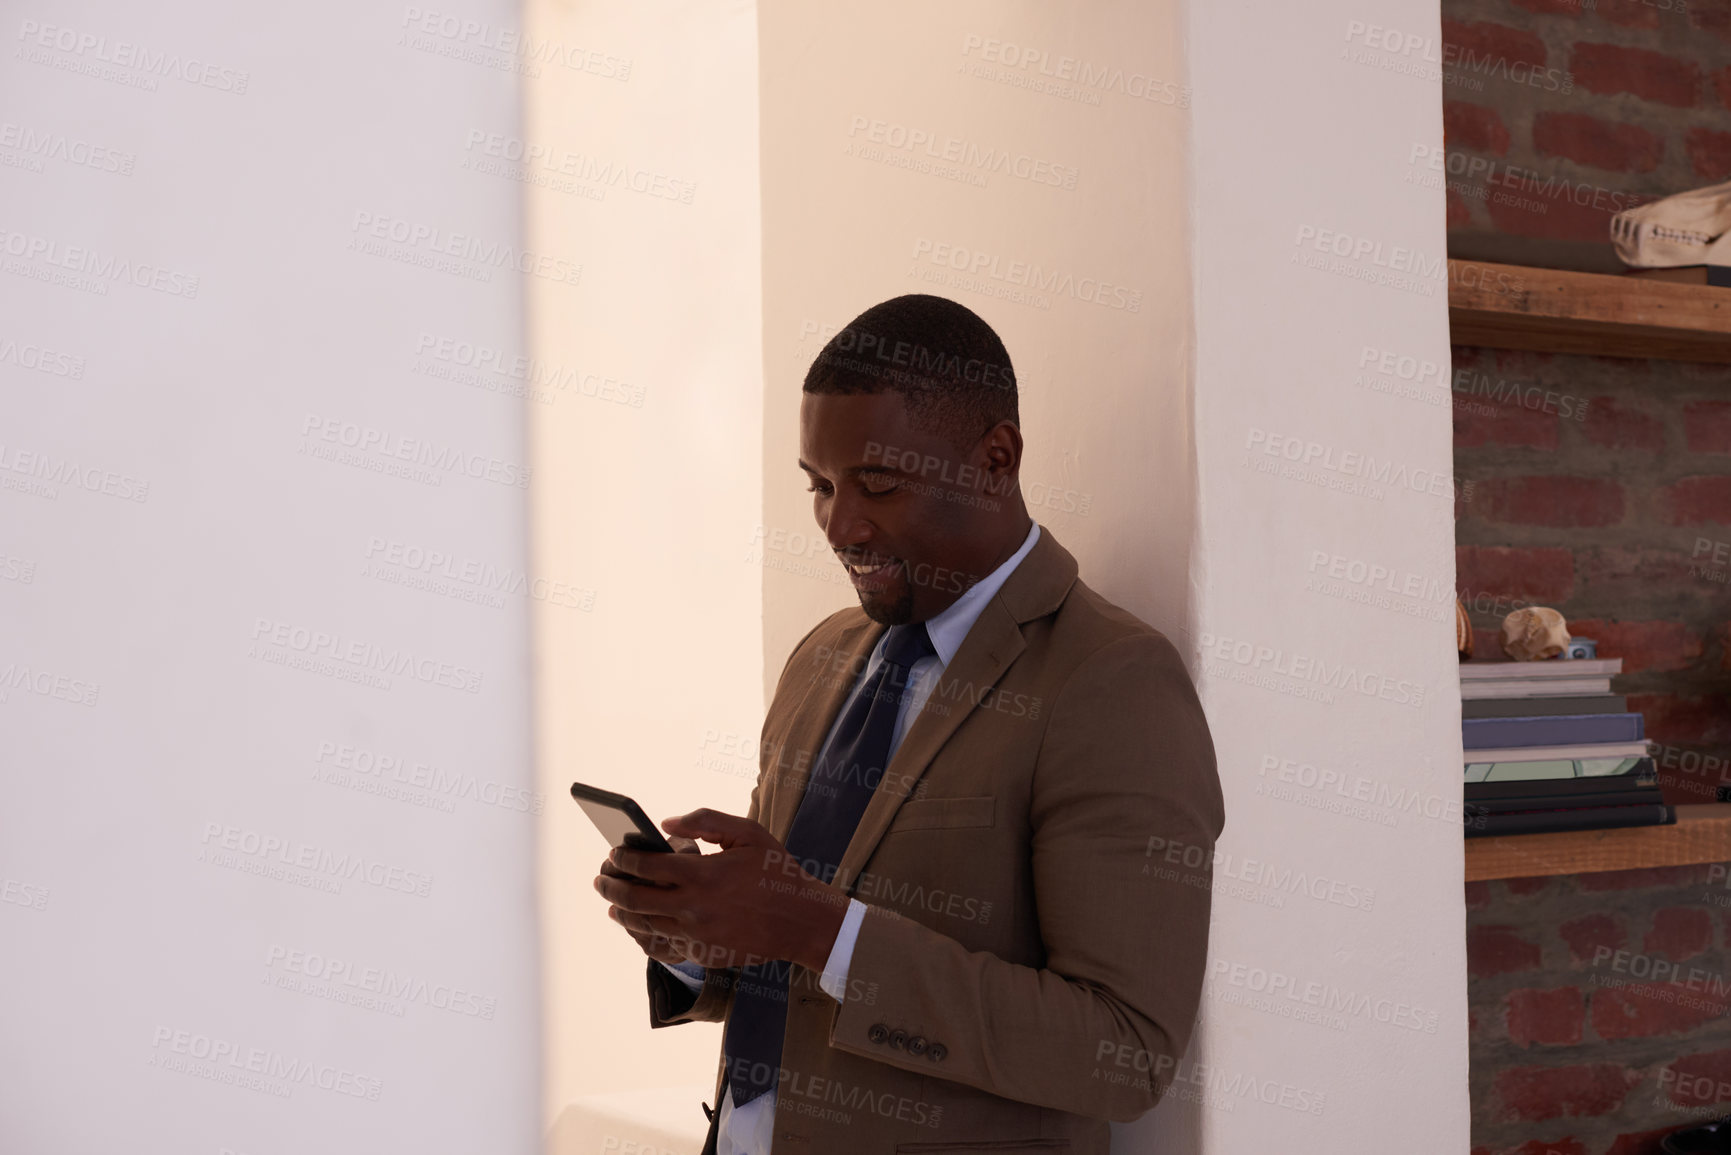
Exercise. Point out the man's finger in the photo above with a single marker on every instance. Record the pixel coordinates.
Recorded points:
(653, 865)
(728, 830)
(630, 896)
(658, 933)
(635, 924)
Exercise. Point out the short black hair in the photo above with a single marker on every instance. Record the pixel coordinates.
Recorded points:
(950, 368)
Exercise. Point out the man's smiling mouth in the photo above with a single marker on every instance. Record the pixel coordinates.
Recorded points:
(871, 573)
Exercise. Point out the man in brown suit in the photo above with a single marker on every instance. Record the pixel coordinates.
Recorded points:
(968, 906)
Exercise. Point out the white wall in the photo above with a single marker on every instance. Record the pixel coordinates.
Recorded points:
(158, 973)
(1341, 859)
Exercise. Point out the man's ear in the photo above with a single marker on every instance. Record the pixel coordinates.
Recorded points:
(1002, 449)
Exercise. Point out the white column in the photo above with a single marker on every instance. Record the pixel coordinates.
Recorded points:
(264, 696)
(1326, 574)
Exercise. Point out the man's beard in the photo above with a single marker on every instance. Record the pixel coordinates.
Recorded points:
(892, 613)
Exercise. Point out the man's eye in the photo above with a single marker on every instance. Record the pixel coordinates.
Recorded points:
(816, 488)
(878, 486)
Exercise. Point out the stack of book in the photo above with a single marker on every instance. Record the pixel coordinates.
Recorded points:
(1549, 747)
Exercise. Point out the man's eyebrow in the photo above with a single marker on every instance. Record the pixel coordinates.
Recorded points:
(854, 470)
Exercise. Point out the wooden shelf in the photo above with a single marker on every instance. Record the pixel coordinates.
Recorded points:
(1555, 311)
(1702, 834)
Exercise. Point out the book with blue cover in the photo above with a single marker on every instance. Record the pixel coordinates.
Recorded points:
(1554, 730)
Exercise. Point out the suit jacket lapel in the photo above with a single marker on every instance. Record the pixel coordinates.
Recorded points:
(1035, 588)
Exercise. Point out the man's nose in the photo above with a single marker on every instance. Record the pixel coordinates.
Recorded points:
(846, 528)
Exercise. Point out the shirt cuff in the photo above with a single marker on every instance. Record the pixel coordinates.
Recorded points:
(691, 974)
(834, 980)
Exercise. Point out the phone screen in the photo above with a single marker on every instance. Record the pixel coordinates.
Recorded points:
(620, 820)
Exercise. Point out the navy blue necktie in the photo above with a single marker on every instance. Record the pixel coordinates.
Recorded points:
(842, 781)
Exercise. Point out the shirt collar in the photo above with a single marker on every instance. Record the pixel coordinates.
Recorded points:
(949, 628)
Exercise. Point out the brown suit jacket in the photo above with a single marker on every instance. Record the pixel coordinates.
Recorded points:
(1036, 865)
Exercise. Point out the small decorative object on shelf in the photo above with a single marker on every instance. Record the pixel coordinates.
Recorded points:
(1579, 647)
(1689, 228)
(1534, 633)
(1463, 631)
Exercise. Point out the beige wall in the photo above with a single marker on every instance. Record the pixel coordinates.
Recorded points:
(651, 692)
(862, 204)
(850, 219)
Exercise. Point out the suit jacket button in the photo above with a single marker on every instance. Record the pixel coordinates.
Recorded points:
(898, 1039)
(917, 1045)
(878, 1033)
(936, 1052)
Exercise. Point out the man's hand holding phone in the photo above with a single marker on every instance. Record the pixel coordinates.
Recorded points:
(746, 903)
(657, 947)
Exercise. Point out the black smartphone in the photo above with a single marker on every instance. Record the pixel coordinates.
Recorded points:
(619, 818)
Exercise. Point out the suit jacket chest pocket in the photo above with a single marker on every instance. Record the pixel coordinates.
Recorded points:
(944, 813)
(943, 862)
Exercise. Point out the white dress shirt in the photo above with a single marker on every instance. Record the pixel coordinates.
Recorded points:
(750, 1129)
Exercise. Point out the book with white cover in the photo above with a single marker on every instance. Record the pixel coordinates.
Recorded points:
(1579, 768)
(1534, 687)
(1557, 753)
(1548, 669)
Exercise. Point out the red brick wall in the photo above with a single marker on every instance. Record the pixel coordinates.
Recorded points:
(1597, 1008)
(1599, 486)
(1558, 113)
